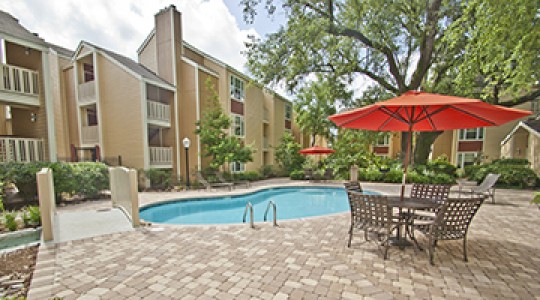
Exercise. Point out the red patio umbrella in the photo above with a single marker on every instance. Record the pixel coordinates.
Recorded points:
(316, 150)
(421, 111)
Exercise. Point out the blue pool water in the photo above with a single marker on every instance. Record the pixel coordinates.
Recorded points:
(291, 203)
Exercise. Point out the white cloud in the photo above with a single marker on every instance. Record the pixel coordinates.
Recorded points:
(122, 25)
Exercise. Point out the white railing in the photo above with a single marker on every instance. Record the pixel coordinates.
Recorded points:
(90, 134)
(87, 92)
(158, 111)
(19, 80)
(21, 149)
(160, 156)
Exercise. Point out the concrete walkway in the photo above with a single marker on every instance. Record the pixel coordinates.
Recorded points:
(301, 259)
(76, 225)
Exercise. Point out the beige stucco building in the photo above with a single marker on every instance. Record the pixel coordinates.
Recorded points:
(96, 104)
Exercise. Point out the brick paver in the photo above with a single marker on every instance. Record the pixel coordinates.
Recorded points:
(303, 259)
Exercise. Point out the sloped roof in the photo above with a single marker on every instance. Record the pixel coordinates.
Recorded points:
(132, 65)
(61, 50)
(9, 25)
(533, 124)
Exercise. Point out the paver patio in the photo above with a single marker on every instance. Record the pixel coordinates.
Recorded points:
(302, 259)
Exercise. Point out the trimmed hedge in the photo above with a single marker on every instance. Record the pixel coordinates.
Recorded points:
(87, 179)
(515, 173)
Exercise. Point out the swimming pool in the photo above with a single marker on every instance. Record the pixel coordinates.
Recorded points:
(291, 203)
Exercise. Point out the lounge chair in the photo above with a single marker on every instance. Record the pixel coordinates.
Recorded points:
(236, 182)
(451, 223)
(209, 185)
(486, 188)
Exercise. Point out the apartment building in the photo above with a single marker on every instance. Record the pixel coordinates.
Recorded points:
(96, 104)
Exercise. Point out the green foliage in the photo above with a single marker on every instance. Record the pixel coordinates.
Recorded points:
(297, 175)
(1, 196)
(372, 173)
(34, 216)
(394, 176)
(514, 173)
(86, 179)
(248, 175)
(352, 148)
(212, 129)
(287, 154)
(9, 220)
(441, 165)
(536, 199)
(415, 177)
(160, 178)
(512, 161)
(268, 172)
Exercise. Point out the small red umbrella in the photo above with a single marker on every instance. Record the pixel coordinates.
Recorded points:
(316, 150)
(421, 111)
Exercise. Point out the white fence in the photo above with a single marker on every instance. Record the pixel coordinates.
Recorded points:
(87, 92)
(21, 149)
(124, 194)
(19, 80)
(90, 134)
(158, 111)
(160, 156)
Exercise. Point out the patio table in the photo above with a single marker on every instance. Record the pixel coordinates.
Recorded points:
(406, 219)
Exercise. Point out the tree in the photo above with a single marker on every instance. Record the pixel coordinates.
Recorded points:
(399, 45)
(212, 129)
(287, 154)
(352, 148)
(314, 104)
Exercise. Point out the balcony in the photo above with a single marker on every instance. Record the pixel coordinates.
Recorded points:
(158, 113)
(160, 157)
(21, 149)
(90, 135)
(19, 85)
(87, 92)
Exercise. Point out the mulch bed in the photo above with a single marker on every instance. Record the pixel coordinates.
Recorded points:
(16, 269)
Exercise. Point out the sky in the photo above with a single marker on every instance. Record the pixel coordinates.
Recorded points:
(213, 26)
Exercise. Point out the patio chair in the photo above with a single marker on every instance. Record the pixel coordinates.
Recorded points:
(235, 182)
(487, 187)
(328, 174)
(451, 223)
(373, 215)
(353, 186)
(210, 185)
(437, 193)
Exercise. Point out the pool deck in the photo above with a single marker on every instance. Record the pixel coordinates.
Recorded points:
(300, 259)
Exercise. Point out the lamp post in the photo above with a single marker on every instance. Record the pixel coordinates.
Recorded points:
(186, 143)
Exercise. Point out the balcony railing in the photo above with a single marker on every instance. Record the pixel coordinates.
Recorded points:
(160, 156)
(19, 80)
(158, 111)
(21, 149)
(90, 134)
(87, 92)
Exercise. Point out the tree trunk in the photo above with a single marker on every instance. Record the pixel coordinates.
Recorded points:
(423, 144)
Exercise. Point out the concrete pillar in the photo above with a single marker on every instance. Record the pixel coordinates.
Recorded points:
(47, 204)
(354, 173)
(124, 193)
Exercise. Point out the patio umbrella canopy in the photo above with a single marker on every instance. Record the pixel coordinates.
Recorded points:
(421, 111)
(316, 150)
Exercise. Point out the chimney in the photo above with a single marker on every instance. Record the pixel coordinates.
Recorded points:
(168, 24)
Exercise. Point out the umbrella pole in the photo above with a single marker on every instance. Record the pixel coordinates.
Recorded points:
(406, 163)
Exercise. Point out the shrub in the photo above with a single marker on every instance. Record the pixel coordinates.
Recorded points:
(267, 172)
(160, 178)
(287, 154)
(394, 176)
(9, 220)
(34, 215)
(514, 173)
(370, 174)
(23, 175)
(415, 177)
(249, 175)
(297, 175)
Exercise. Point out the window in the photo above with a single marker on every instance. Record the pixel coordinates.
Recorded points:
(91, 117)
(473, 134)
(466, 158)
(238, 126)
(288, 112)
(237, 167)
(383, 140)
(88, 72)
(237, 88)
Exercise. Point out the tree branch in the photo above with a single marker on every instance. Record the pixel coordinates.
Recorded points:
(523, 99)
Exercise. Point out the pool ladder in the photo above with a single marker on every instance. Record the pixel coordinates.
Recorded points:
(249, 207)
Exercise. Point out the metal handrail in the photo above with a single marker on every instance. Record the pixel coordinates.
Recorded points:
(248, 205)
(271, 203)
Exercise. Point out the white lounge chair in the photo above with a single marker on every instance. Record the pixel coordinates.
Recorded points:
(487, 187)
